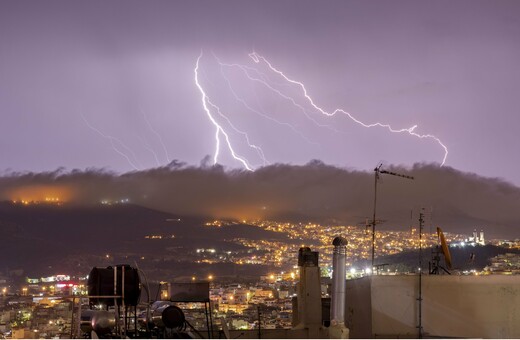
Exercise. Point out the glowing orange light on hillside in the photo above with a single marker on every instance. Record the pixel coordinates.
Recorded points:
(40, 193)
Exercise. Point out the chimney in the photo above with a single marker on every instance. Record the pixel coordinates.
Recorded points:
(339, 256)
(337, 328)
(308, 306)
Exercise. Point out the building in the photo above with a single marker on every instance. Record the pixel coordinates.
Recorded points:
(477, 238)
(508, 263)
(451, 307)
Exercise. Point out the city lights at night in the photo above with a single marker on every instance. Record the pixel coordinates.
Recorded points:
(235, 169)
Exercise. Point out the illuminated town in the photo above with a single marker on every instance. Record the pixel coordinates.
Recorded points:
(42, 307)
(316, 236)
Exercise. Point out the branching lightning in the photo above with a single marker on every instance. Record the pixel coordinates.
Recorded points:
(149, 148)
(219, 130)
(228, 131)
(247, 106)
(255, 75)
(158, 136)
(257, 58)
(126, 152)
(246, 136)
(118, 141)
(263, 81)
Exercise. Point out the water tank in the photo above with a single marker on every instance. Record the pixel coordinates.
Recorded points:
(101, 321)
(101, 283)
(86, 320)
(168, 316)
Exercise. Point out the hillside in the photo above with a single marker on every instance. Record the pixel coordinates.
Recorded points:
(45, 238)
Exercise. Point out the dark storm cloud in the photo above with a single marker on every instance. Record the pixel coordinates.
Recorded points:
(450, 67)
(460, 201)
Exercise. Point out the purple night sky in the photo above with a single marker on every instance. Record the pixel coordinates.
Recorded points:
(126, 68)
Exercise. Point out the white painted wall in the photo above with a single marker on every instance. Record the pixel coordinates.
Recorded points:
(453, 306)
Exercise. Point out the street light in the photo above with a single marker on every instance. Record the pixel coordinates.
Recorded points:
(378, 171)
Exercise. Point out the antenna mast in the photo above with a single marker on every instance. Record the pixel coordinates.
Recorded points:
(378, 171)
(421, 224)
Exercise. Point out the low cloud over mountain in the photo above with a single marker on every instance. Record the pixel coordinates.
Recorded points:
(459, 201)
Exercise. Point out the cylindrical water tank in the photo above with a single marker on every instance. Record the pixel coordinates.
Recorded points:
(86, 320)
(168, 316)
(101, 283)
(103, 322)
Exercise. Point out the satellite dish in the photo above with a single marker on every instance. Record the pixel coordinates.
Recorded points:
(445, 249)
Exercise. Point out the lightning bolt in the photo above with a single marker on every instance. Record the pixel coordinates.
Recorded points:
(247, 106)
(258, 58)
(266, 80)
(257, 148)
(149, 148)
(263, 81)
(219, 130)
(158, 136)
(114, 140)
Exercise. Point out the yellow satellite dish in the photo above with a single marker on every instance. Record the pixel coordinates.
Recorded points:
(445, 249)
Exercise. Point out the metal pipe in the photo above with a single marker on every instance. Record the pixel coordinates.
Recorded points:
(116, 306)
(123, 300)
(339, 256)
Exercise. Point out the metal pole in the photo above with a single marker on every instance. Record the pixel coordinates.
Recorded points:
(135, 322)
(72, 321)
(376, 177)
(116, 306)
(207, 320)
(378, 171)
(123, 300)
(421, 223)
(210, 317)
(78, 322)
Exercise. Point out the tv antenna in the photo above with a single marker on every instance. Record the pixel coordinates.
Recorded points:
(377, 172)
(436, 263)
(368, 223)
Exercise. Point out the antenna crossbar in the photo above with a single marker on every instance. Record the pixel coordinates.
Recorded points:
(378, 171)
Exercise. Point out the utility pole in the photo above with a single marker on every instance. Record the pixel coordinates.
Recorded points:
(378, 171)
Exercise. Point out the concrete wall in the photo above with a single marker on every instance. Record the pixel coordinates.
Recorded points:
(358, 308)
(394, 306)
(452, 306)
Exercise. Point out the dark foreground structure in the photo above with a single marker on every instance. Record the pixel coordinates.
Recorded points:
(377, 306)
